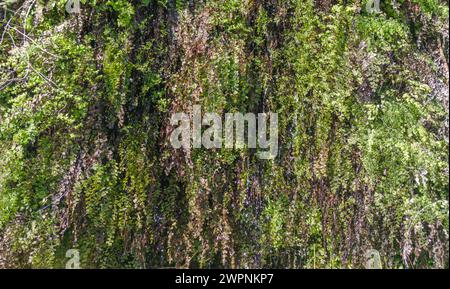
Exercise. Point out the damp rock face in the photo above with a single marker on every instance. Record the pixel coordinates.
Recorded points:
(89, 177)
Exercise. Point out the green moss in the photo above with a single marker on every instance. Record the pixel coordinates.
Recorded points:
(84, 128)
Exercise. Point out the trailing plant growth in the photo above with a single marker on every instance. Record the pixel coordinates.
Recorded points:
(86, 161)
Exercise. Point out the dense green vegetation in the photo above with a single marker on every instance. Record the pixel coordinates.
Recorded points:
(86, 163)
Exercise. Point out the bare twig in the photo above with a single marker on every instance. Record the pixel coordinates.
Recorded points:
(34, 42)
